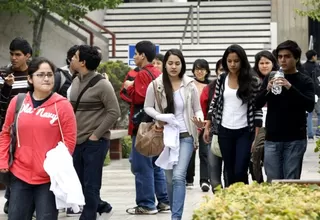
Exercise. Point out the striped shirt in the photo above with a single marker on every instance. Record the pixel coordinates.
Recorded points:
(20, 85)
(254, 115)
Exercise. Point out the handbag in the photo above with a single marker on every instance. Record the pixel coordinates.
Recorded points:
(149, 139)
(215, 148)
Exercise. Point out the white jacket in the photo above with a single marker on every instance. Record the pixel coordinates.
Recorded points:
(190, 96)
(65, 183)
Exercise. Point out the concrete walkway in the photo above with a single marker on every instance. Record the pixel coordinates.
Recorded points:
(119, 190)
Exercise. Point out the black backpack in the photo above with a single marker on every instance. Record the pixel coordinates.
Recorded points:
(63, 81)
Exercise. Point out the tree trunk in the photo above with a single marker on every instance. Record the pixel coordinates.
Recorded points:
(38, 25)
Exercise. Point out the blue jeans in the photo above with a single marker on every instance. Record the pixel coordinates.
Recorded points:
(176, 178)
(283, 160)
(88, 159)
(25, 198)
(310, 125)
(235, 145)
(149, 180)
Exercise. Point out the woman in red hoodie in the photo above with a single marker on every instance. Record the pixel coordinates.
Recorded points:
(45, 118)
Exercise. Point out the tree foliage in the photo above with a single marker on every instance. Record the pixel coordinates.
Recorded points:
(117, 71)
(39, 9)
(312, 11)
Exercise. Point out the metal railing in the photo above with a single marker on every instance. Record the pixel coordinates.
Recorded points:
(190, 14)
(190, 17)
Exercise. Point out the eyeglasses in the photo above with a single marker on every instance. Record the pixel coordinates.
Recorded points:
(200, 70)
(43, 75)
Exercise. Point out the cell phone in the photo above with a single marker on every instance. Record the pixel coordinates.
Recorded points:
(4, 72)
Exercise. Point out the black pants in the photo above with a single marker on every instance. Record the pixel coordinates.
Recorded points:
(203, 155)
(235, 145)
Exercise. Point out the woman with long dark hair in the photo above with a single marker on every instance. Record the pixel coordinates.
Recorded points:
(180, 100)
(233, 109)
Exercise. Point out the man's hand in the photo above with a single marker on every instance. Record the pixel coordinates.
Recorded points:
(128, 83)
(284, 82)
(9, 79)
(4, 170)
(93, 138)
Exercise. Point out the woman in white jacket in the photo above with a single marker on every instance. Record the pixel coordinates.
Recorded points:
(179, 97)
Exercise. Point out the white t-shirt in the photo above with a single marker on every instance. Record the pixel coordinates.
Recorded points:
(234, 115)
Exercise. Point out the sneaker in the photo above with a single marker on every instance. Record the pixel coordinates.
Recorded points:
(162, 207)
(141, 211)
(62, 210)
(6, 207)
(71, 213)
(205, 187)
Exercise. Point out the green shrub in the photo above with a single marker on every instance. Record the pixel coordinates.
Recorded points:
(126, 144)
(317, 150)
(262, 202)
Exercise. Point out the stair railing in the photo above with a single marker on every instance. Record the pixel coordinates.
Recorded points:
(190, 16)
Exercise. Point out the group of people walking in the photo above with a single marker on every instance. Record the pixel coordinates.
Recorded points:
(45, 118)
(251, 124)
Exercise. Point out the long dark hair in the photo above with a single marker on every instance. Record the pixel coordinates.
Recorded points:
(166, 80)
(268, 55)
(245, 77)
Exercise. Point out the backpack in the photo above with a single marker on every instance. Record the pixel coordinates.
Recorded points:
(6, 177)
(63, 82)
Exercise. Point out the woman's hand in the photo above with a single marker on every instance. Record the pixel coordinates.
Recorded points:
(198, 122)
(206, 135)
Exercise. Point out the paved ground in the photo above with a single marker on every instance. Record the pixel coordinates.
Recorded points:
(118, 189)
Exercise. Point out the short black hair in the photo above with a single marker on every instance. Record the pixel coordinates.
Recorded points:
(21, 44)
(292, 46)
(202, 64)
(71, 52)
(148, 48)
(90, 55)
(34, 66)
(99, 50)
(310, 54)
(159, 56)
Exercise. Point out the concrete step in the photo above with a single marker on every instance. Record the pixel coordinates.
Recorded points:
(177, 22)
(185, 10)
(209, 34)
(183, 16)
(180, 29)
(139, 5)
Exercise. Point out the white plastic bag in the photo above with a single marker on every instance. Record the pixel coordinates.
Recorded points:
(215, 148)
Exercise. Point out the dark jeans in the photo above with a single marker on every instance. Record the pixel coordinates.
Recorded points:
(26, 198)
(215, 168)
(283, 160)
(88, 159)
(235, 145)
(257, 157)
(203, 156)
(149, 180)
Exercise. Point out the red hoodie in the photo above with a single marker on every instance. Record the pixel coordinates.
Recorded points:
(37, 132)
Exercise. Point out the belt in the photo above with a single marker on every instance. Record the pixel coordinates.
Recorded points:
(184, 135)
